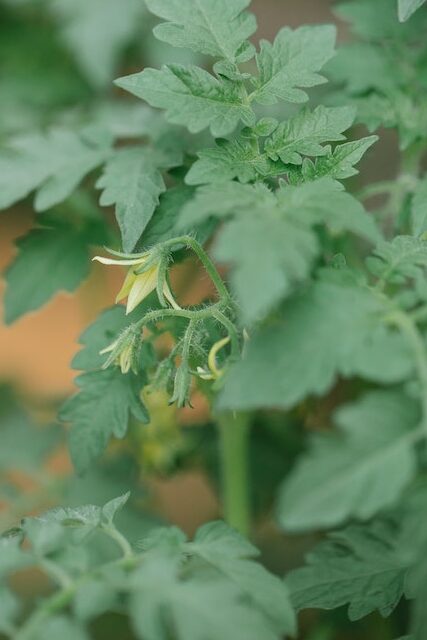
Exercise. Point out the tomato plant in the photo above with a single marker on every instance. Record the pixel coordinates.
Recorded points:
(305, 344)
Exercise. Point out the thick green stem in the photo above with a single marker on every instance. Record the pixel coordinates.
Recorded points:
(234, 432)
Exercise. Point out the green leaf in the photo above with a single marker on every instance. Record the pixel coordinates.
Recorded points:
(358, 472)
(418, 613)
(62, 627)
(326, 331)
(98, 336)
(419, 209)
(271, 243)
(97, 32)
(50, 259)
(268, 253)
(9, 611)
(86, 517)
(339, 163)
(292, 62)
(362, 67)
(407, 7)
(45, 535)
(401, 258)
(54, 164)
(238, 158)
(188, 607)
(219, 29)
(305, 133)
(372, 20)
(192, 97)
(15, 432)
(320, 201)
(235, 197)
(110, 510)
(324, 201)
(132, 180)
(93, 598)
(357, 566)
(224, 549)
(216, 539)
(12, 557)
(166, 539)
(164, 224)
(100, 411)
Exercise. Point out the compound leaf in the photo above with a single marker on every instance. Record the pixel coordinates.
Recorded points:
(237, 158)
(270, 242)
(164, 224)
(132, 180)
(98, 336)
(305, 133)
(218, 28)
(292, 62)
(218, 539)
(401, 258)
(268, 254)
(326, 331)
(100, 411)
(192, 97)
(228, 552)
(50, 259)
(355, 473)
(357, 566)
(339, 163)
(54, 164)
(96, 32)
(188, 605)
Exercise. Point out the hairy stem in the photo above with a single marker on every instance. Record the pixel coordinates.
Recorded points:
(205, 260)
(120, 540)
(189, 314)
(232, 332)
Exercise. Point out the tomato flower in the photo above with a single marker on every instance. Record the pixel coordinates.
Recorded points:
(140, 280)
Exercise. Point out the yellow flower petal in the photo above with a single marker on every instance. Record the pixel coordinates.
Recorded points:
(120, 261)
(142, 286)
(127, 285)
